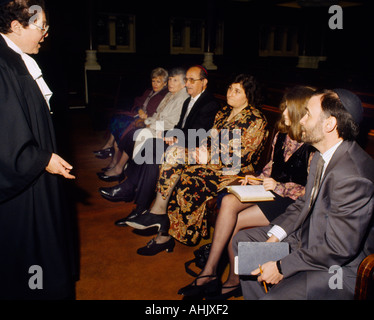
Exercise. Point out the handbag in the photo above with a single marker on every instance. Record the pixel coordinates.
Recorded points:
(201, 257)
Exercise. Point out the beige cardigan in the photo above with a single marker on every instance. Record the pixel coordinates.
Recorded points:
(168, 111)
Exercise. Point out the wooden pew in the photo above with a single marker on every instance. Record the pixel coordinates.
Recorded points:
(365, 279)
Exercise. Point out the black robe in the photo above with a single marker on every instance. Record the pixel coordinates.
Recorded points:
(35, 225)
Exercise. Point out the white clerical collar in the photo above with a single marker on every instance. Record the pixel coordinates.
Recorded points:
(33, 69)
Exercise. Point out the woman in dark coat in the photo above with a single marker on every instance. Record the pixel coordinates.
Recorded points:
(36, 245)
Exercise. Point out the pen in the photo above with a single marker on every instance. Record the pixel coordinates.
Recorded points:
(263, 282)
(257, 179)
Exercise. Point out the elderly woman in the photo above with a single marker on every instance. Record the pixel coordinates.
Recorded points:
(167, 115)
(36, 253)
(184, 189)
(122, 122)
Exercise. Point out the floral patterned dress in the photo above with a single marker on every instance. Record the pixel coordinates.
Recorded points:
(198, 183)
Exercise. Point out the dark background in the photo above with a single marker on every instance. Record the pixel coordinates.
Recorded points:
(349, 61)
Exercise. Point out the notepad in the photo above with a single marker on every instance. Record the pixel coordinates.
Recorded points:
(252, 254)
(251, 193)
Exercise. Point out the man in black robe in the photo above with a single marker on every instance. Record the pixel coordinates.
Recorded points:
(36, 247)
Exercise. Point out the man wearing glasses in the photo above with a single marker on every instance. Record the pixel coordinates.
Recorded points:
(196, 83)
(44, 29)
(198, 112)
(36, 252)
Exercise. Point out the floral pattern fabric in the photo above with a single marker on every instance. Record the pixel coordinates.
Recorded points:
(195, 184)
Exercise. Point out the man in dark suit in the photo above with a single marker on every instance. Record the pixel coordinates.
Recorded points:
(330, 228)
(198, 112)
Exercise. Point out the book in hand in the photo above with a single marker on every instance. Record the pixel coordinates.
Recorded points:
(251, 193)
(252, 254)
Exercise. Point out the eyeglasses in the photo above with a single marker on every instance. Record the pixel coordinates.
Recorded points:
(191, 80)
(43, 29)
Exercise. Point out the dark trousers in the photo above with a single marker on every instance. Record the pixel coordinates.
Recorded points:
(127, 142)
(143, 171)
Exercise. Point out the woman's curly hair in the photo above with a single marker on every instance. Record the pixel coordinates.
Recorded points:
(251, 88)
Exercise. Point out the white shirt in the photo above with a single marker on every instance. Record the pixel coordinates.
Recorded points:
(190, 105)
(33, 69)
(277, 230)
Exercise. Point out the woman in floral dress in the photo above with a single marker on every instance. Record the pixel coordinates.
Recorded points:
(201, 182)
(237, 140)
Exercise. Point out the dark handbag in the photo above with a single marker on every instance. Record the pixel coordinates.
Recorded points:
(201, 257)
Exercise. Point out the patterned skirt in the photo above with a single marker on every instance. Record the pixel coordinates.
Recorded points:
(195, 186)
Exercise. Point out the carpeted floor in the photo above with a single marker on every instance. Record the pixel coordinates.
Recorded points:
(110, 268)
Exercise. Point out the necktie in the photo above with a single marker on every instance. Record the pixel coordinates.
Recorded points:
(190, 105)
(317, 181)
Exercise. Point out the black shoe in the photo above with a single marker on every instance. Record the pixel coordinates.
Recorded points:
(104, 153)
(106, 168)
(210, 288)
(106, 178)
(121, 192)
(148, 220)
(236, 292)
(134, 213)
(153, 247)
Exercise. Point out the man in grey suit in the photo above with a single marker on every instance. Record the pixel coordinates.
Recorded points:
(329, 230)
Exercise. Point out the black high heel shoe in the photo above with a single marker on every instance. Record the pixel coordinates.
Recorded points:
(104, 153)
(107, 168)
(210, 288)
(149, 220)
(153, 247)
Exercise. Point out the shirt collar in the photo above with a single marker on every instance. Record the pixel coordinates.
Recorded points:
(32, 67)
(12, 45)
(197, 97)
(329, 153)
(30, 63)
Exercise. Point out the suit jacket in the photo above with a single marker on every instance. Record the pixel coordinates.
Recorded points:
(201, 116)
(145, 176)
(338, 231)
